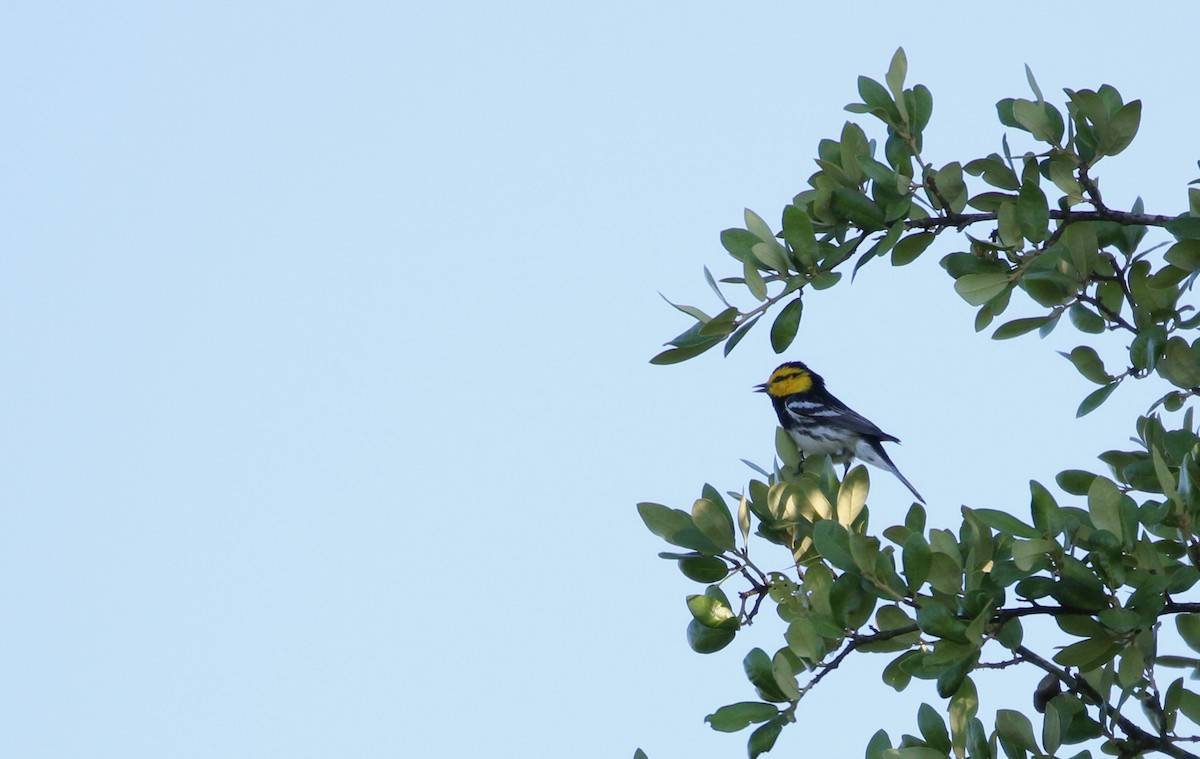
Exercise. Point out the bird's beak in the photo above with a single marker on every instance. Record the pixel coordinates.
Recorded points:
(760, 388)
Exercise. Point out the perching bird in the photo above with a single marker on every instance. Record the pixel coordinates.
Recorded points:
(821, 425)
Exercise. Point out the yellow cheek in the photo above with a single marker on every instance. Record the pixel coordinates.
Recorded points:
(795, 383)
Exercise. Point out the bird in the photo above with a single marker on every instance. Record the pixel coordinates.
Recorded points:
(821, 425)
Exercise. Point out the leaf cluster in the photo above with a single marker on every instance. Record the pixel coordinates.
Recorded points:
(1105, 569)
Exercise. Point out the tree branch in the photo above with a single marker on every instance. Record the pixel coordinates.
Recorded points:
(1121, 217)
(1141, 739)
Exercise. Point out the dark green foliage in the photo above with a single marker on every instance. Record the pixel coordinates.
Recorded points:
(1112, 561)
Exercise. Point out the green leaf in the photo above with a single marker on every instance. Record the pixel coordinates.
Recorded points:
(1185, 254)
(720, 325)
(1104, 506)
(933, 728)
(852, 496)
(877, 100)
(712, 612)
(759, 228)
(759, 672)
(917, 561)
(978, 289)
(1094, 399)
(936, 619)
(907, 250)
(1087, 362)
(858, 209)
(739, 333)
(738, 242)
(713, 284)
(1188, 626)
(1047, 516)
(1086, 320)
(772, 255)
(675, 527)
(1006, 523)
(833, 542)
(1179, 365)
(763, 739)
(715, 522)
(1088, 654)
(1122, 128)
(878, 744)
(1147, 347)
(1018, 327)
(1075, 481)
(743, 518)
(783, 331)
(1015, 729)
(707, 640)
(964, 705)
(639, 754)
(704, 569)
(734, 717)
(676, 355)
(803, 640)
(798, 232)
(1033, 85)
(1184, 227)
(1026, 552)
(897, 70)
(754, 280)
(950, 185)
(1033, 213)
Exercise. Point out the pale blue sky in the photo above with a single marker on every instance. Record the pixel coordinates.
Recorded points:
(325, 402)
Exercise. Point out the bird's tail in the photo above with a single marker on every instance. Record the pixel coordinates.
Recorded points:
(872, 452)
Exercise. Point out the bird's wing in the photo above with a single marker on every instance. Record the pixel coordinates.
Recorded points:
(833, 412)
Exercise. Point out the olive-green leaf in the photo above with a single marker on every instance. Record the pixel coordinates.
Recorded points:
(704, 569)
(758, 227)
(1088, 654)
(936, 619)
(1018, 327)
(1026, 552)
(1184, 227)
(1104, 505)
(675, 527)
(897, 70)
(1088, 363)
(754, 280)
(833, 542)
(762, 739)
(907, 250)
(783, 331)
(1123, 127)
(852, 495)
(933, 728)
(858, 209)
(1179, 364)
(1094, 399)
(1015, 729)
(1188, 626)
(978, 289)
(1086, 320)
(1033, 213)
(1006, 523)
(714, 520)
(712, 612)
(708, 640)
(1185, 254)
(759, 672)
(734, 717)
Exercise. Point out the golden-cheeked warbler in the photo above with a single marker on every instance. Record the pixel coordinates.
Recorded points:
(821, 425)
